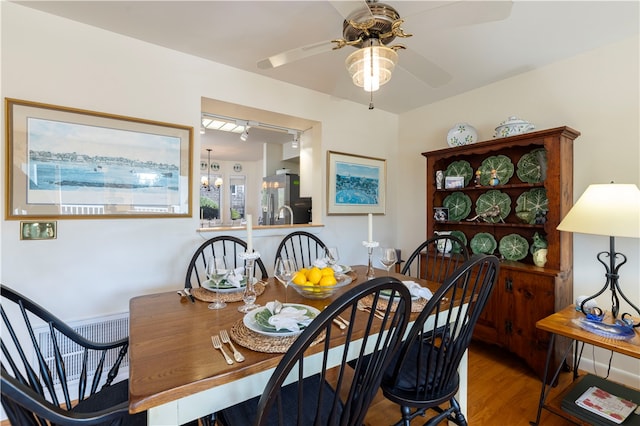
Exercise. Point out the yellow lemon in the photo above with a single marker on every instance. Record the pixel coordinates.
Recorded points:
(327, 271)
(299, 279)
(328, 281)
(304, 271)
(314, 275)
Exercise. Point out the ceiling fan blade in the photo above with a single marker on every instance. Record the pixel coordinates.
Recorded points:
(423, 69)
(347, 8)
(295, 54)
(462, 13)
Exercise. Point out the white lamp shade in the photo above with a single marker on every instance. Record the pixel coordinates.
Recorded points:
(607, 209)
(371, 67)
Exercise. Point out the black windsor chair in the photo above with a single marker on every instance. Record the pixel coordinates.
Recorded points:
(436, 265)
(223, 245)
(337, 395)
(37, 383)
(424, 374)
(303, 247)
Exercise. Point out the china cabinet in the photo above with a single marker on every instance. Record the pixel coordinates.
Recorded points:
(523, 189)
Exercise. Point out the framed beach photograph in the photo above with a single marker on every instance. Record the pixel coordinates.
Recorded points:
(71, 163)
(355, 184)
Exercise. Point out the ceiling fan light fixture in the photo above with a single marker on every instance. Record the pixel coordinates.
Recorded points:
(370, 67)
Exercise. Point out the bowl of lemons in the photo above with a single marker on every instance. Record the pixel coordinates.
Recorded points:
(318, 283)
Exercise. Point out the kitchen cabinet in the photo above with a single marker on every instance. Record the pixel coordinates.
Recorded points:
(530, 166)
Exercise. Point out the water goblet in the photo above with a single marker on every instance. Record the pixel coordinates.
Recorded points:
(332, 255)
(387, 257)
(249, 294)
(284, 272)
(217, 270)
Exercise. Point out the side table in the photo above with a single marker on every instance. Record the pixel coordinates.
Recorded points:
(561, 324)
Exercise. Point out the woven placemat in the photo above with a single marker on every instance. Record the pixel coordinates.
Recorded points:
(210, 296)
(261, 343)
(416, 305)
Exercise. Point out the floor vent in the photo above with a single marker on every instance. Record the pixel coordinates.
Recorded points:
(102, 329)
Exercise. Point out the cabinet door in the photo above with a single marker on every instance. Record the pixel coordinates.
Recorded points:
(531, 297)
(490, 326)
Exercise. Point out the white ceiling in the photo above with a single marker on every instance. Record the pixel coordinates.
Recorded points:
(241, 33)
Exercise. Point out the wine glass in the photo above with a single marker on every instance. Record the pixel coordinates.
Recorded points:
(284, 272)
(217, 270)
(249, 294)
(387, 257)
(332, 255)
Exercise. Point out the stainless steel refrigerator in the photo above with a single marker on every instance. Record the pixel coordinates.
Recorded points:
(283, 190)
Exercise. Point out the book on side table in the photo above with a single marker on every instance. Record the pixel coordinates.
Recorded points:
(602, 402)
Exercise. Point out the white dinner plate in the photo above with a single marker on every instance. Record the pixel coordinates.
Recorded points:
(250, 322)
(225, 288)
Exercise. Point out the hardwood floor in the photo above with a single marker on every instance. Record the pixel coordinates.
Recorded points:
(502, 391)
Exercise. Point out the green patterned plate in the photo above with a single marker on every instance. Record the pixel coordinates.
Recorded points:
(513, 247)
(459, 235)
(493, 206)
(535, 200)
(501, 164)
(532, 167)
(459, 205)
(460, 168)
(483, 243)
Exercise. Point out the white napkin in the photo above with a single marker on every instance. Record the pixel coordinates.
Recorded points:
(289, 318)
(320, 263)
(323, 263)
(235, 277)
(417, 290)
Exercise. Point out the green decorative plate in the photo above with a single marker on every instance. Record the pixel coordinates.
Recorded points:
(460, 168)
(532, 167)
(483, 243)
(459, 235)
(459, 205)
(513, 247)
(501, 164)
(535, 200)
(493, 206)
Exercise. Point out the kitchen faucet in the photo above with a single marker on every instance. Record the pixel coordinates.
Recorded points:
(286, 207)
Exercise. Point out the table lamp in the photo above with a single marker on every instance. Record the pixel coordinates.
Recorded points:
(613, 210)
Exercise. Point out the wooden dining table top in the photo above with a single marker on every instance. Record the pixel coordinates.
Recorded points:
(171, 355)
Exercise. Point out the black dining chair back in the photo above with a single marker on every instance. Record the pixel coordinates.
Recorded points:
(41, 386)
(222, 245)
(303, 247)
(297, 394)
(425, 373)
(429, 261)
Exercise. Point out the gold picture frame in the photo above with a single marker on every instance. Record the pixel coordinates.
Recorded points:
(69, 163)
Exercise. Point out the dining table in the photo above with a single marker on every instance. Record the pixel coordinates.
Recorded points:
(175, 373)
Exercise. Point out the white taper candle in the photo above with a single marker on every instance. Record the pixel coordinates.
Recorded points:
(370, 227)
(249, 234)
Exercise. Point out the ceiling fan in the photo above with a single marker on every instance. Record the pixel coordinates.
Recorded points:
(371, 27)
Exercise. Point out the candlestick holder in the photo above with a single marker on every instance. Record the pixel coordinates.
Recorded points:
(249, 295)
(370, 245)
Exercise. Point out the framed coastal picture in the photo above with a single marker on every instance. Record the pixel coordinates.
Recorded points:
(70, 163)
(355, 184)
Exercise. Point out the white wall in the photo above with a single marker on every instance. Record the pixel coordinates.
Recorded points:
(596, 93)
(104, 263)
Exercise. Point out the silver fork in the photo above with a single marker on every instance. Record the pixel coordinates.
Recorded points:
(218, 345)
(225, 339)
